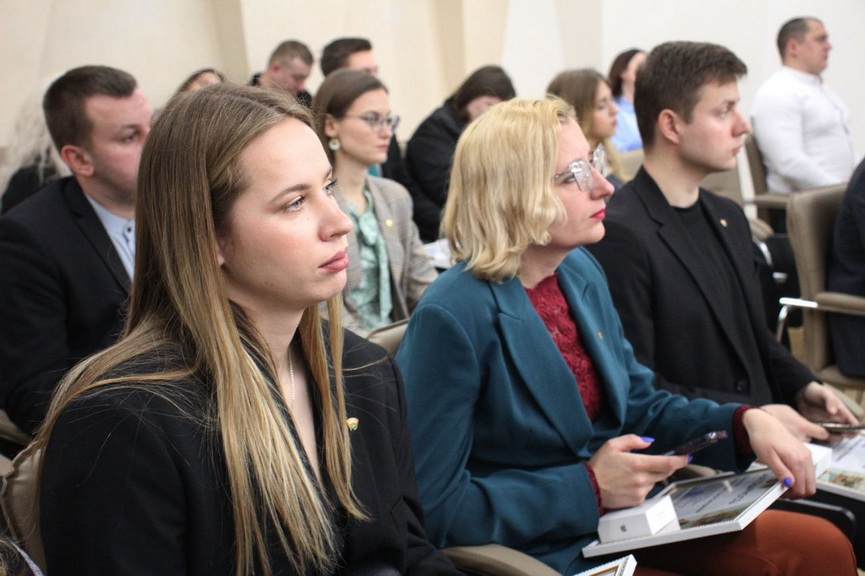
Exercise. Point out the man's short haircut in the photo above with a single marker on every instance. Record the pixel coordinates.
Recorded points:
(64, 101)
(796, 28)
(335, 55)
(289, 50)
(672, 78)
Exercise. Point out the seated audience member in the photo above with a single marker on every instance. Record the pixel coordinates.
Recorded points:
(802, 126)
(287, 70)
(622, 76)
(231, 430)
(846, 273)
(680, 260)
(588, 92)
(430, 150)
(388, 269)
(31, 161)
(351, 53)
(525, 401)
(66, 254)
(201, 78)
(357, 54)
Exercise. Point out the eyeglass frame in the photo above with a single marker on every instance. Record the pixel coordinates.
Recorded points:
(377, 123)
(582, 169)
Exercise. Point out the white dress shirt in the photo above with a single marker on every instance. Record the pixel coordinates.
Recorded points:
(803, 131)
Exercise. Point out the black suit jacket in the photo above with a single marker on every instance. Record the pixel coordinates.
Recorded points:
(133, 487)
(668, 303)
(846, 273)
(63, 290)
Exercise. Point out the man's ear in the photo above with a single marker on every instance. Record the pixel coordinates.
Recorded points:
(330, 129)
(78, 160)
(668, 125)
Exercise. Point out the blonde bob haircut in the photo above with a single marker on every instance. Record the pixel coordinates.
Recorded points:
(501, 197)
(189, 178)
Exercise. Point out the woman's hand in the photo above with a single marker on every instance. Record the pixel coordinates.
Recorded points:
(778, 449)
(802, 429)
(625, 479)
(818, 403)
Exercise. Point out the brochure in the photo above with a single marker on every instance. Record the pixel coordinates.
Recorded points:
(711, 505)
(621, 567)
(846, 473)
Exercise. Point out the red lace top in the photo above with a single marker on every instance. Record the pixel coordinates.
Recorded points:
(551, 306)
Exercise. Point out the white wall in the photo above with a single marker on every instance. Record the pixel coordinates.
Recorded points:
(425, 47)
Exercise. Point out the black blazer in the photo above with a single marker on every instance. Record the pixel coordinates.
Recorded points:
(668, 303)
(131, 487)
(63, 290)
(846, 273)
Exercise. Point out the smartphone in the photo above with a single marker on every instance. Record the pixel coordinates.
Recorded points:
(698, 444)
(841, 427)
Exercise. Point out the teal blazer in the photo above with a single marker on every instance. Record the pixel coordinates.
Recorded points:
(497, 424)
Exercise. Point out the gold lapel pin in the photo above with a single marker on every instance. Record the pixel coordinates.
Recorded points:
(724, 222)
(600, 335)
(352, 424)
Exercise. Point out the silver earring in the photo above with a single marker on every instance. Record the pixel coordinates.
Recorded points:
(333, 144)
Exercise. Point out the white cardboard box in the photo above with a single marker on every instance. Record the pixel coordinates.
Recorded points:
(644, 520)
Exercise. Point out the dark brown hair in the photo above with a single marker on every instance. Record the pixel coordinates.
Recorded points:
(64, 100)
(618, 67)
(672, 77)
(335, 55)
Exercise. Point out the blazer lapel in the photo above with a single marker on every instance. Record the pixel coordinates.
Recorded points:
(95, 233)
(673, 234)
(540, 364)
(395, 254)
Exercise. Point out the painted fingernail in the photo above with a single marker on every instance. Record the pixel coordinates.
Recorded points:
(690, 458)
(788, 481)
(648, 439)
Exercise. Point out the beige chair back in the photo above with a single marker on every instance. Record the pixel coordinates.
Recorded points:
(630, 162)
(389, 337)
(19, 508)
(810, 221)
(755, 162)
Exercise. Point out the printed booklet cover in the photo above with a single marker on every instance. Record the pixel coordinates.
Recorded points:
(846, 473)
(711, 505)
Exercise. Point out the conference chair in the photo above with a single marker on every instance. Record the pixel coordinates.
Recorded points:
(20, 509)
(766, 201)
(810, 222)
(488, 559)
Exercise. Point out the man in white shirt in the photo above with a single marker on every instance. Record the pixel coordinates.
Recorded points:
(801, 125)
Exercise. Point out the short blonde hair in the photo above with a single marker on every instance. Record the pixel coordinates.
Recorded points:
(501, 199)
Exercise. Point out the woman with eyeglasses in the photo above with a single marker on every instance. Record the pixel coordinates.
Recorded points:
(590, 95)
(529, 415)
(388, 268)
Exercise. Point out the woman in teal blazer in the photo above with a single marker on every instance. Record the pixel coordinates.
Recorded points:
(511, 446)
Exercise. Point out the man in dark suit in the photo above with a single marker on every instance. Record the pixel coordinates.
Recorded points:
(287, 70)
(680, 260)
(66, 254)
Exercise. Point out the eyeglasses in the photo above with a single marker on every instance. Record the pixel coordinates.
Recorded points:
(580, 171)
(377, 123)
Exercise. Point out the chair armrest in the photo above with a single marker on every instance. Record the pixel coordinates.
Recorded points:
(760, 230)
(840, 302)
(495, 559)
(771, 201)
(9, 431)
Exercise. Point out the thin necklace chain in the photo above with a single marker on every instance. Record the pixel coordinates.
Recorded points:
(291, 378)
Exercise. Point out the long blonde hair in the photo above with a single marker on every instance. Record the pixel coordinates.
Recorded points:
(579, 88)
(189, 178)
(501, 198)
